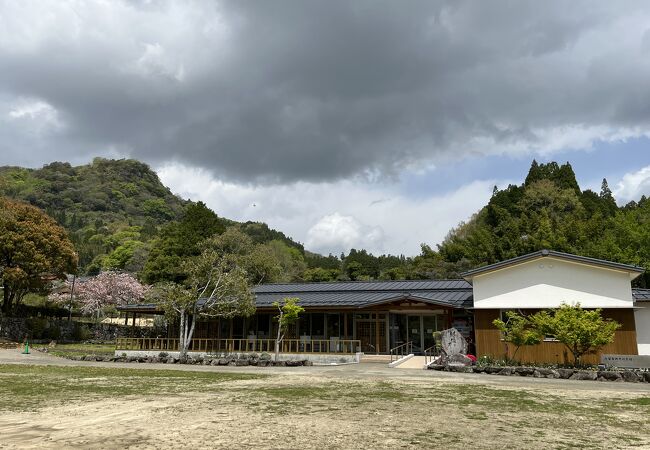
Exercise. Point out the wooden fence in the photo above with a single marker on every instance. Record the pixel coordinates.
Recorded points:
(242, 345)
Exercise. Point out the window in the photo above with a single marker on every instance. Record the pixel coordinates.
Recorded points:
(263, 325)
(333, 325)
(317, 324)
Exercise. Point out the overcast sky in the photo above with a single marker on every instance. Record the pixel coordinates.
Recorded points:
(342, 123)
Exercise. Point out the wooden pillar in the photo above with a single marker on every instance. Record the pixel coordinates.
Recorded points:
(345, 326)
(450, 317)
(377, 347)
(126, 318)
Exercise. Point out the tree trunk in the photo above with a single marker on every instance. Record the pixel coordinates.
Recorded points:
(6, 299)
(279, 336)
(186, 333)
(182, 350)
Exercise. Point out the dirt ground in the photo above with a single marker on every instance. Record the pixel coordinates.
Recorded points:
(360, 406)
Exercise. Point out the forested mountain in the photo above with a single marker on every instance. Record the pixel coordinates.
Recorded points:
(117, 211)
(120, 216)
(549, 210)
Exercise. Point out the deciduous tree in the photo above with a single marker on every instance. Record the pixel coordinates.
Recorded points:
(518, 331)
(214, 287)
(34, 250)
(289, 311)
(582, 331)
(109, 289)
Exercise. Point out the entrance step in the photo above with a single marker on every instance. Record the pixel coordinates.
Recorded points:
(385, 359)
(415, 362)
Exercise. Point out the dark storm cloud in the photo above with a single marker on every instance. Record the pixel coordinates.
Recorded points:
(281, 91)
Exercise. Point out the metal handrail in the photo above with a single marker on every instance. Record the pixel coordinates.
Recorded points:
(401, 351)
(430, 354)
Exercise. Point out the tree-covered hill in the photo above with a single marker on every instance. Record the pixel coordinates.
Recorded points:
(115, 211)
(549, 210)
(120, 216)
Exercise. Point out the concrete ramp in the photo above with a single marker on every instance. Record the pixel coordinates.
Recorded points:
(415, 362)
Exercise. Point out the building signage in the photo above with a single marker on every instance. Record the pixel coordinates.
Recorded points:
(627, 361)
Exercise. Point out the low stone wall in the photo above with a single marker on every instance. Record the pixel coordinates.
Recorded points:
(245, 359)
(633, 376)
(314, 358)
(59, 329)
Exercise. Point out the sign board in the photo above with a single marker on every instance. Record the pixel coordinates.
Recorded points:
(627, 361)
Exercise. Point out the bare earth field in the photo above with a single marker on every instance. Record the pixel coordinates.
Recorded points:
(48, 402)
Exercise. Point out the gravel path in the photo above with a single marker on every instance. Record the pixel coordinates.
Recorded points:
(351, 371)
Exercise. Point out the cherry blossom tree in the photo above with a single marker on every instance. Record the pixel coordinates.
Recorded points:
(104, 290)
(65, 294)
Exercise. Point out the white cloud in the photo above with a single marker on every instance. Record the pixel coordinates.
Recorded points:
(335, 233)
(155, 62)
(36, 116)
(633, 185)
(337, 216)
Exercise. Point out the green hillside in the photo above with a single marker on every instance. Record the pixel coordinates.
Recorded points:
(549, 210)
(114, 210)
(120, 216)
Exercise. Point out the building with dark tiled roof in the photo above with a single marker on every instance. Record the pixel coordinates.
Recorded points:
(377, 316)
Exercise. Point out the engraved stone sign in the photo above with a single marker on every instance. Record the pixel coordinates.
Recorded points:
(627, 361)
(453, 342)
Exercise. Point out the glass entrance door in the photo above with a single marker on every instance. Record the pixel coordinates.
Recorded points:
(429, 326)
(415, 332)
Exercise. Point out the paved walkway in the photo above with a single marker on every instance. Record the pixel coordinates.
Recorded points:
(349, 371)
(415, 362)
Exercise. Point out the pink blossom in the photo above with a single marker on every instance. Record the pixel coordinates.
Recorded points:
(106, 289)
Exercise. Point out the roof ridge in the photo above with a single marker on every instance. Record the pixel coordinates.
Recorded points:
(552, 253)
(360, 281)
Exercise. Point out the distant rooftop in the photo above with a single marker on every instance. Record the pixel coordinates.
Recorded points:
(641, 295)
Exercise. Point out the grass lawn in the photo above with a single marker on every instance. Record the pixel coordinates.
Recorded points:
(25, 387)
(229, 409)
(80, 349)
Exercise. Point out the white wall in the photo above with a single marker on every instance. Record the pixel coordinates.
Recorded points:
(642, 320)
(548, 282)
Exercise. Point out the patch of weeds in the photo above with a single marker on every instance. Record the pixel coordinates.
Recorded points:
(69, 350)
(641, 401)
(476, 416)
(24, 387)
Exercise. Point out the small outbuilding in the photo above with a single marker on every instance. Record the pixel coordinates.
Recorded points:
(547, 279)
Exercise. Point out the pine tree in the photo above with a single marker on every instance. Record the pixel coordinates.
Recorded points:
(605, 191)
(534, 173)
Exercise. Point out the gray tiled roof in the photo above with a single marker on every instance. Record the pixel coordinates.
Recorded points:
(449, 293)
(357, 294)
(641, 295)
(336, 286)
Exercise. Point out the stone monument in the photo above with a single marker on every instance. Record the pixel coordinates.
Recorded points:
(453, 349)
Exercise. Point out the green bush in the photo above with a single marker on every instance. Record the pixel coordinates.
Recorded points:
(53, 331)
(81, 332)
(36, 327)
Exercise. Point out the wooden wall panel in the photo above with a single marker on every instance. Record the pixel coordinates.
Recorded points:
(488, 340)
